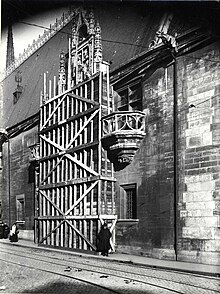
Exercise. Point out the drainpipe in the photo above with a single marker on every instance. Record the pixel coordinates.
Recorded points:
(175, 157)
(5, 138)
(171, 44)
(9, 183)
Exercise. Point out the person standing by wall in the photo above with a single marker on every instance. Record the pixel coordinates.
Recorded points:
(103, 240)
(13, 237)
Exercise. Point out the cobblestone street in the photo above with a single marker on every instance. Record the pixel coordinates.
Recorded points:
(35, 270)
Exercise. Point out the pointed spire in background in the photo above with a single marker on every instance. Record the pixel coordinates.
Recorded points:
(10, 57)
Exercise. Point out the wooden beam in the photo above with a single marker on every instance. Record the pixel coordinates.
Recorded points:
(81, 235)
(81, 198)
(83, 99)
(71, 119)
(69, 183)
(49, 234)
(55, 109)
(79, 217)
(71, 150)
(68, 91)
(83, 127)
(52, 143)
(54, 205)
(74, 159)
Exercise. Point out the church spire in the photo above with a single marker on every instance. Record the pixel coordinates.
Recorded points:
(10, 57)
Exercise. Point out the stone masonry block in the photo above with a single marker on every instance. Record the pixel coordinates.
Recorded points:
(212, 245)
(209, 93)
(200, 205)
(198, 130)
(200, 213)
(200, 186)
(198, 232)
(197, 196)
(198, 178)
(207, 138)
(204, 221)
(193, 141)
(217, 234)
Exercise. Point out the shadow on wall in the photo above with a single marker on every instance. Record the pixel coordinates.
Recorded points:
(154, 210)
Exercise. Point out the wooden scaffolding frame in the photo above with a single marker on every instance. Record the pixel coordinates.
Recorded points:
(75, 194)
(76, 184)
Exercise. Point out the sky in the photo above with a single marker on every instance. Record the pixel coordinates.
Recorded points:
(43, 13)
(38, 12)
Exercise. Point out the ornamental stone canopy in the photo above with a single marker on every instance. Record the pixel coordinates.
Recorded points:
(123, 132)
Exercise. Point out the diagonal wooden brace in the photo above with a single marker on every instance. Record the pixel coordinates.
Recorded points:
(54, 205)
(49, 234)
(55, 109)
(81, 198)
(81, 235)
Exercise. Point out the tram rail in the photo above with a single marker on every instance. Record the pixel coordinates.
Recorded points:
(70, 261)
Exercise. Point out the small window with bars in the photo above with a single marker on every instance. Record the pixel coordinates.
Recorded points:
(130, 202)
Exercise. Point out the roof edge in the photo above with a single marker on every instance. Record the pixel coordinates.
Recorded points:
(42, 39)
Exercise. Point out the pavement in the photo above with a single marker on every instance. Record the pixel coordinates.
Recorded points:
(180, 266)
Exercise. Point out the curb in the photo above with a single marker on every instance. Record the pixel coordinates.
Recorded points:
(135, 263)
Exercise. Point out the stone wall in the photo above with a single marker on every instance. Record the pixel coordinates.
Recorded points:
(152, 171)
(16, 180)
(199, 203)
(197, 211)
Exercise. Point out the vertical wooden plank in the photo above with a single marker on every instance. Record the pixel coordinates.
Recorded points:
(54, 86)
(99, 155)
(76, 104)
(58, 167)
(58, 110)
(91, 231)
(72, 106)
(67, 125)
(108, 88)
(71, 131)
(67, 107)
(43, 213)
(41, 110)
(69, 66)
(63, 137)
(45, 87)
(50, 89)
(52, 214)
(62, 200)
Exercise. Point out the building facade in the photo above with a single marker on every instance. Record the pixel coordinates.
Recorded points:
(158, 129)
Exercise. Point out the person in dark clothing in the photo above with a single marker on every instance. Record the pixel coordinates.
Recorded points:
(103, 240)
(6, 231)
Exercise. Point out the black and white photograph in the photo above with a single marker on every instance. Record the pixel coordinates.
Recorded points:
(110, 147)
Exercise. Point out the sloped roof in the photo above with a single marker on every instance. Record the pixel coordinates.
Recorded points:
(120, 28)
(126, 32)
(45, 59)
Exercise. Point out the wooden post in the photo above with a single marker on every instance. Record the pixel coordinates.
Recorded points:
(54, 86)
(45, 87)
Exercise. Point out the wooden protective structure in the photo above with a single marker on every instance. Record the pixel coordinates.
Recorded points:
(75, 192)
